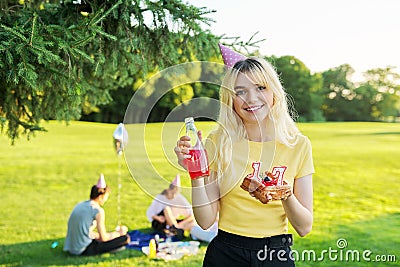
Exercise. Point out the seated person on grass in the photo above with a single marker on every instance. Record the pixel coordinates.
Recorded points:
(171, 210)
(86, 216)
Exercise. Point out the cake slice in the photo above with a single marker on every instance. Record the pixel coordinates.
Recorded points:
(267, 189)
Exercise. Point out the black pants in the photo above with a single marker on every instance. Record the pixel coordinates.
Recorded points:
(158, 226)
(228, 249)
(98, 247)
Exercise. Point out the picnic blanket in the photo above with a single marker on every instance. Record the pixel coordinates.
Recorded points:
(140, 239)
(171, 250)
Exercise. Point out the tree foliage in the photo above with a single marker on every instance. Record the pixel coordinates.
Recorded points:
(337, 91)
(377, 98)
(383, 87)
(59, 58)
(301, 85)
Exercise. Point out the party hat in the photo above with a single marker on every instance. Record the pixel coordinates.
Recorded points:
(177, 180)
(101, 183)
(229, 56)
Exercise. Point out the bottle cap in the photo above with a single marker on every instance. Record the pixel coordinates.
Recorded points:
(189, 120)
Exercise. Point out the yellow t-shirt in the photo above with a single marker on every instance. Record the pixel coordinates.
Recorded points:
(242, 214)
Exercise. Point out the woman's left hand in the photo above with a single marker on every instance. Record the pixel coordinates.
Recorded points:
(265, 195)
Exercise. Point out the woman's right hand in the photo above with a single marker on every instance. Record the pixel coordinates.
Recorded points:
(182, 150)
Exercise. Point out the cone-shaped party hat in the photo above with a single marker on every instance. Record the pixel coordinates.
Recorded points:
(101, 183)
(177, 180)
(229, 56)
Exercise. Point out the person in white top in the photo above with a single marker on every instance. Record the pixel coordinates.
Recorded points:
(171, 210)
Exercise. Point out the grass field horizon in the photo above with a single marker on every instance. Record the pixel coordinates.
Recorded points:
(356, 192)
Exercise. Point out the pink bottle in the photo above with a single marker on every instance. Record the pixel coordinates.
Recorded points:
(197, 164)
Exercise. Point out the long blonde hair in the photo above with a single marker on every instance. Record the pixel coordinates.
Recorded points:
(230, 126)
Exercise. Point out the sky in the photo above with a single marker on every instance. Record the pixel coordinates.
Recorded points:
(321, 33)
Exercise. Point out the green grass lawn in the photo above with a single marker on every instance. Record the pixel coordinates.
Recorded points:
(356, 191)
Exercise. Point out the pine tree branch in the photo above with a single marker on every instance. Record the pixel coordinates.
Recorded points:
(82, 53)
(107, 35)
(33, 28)
(94, 22)
(15, 33)
(83, 41)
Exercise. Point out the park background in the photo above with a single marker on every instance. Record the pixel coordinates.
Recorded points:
(83, 61)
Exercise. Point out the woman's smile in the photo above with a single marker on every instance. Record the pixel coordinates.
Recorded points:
(254, 109)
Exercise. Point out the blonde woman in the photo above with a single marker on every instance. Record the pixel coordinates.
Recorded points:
(254, 125)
